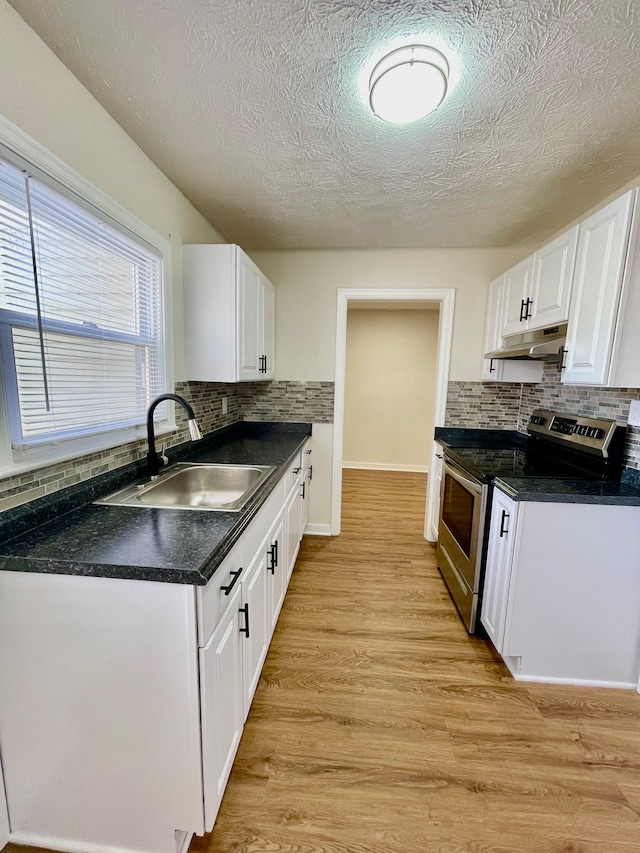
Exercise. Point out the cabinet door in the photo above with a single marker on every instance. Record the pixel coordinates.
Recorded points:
(517, 287)
(602, 247)
(254, 625)
(276, 571)
(498, 571)
(492, 329)
(433, 494)
(221, 706)
(268, 327)
(249, 329)
(552, 277)
(305, 491)
(292, 526)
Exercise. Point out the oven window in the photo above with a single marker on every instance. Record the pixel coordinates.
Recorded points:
(457, 513)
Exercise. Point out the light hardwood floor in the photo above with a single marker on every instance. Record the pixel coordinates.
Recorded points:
(380, 726)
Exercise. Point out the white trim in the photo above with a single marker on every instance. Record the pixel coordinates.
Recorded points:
(514, 662)
(446, 298)
(23, 145)
(386, 466)
(66, 845)
(317, 530)
(576, 682)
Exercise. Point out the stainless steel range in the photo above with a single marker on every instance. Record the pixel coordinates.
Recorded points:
(570, 447)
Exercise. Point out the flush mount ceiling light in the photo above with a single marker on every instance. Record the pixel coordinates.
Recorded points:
(408, 83)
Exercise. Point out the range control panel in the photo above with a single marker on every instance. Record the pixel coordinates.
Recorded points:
(592, 435)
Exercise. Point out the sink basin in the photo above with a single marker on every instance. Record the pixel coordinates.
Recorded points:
(195, 486)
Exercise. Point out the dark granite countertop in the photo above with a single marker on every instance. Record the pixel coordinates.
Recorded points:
(482, 438)
(623, 493)
(171, 545)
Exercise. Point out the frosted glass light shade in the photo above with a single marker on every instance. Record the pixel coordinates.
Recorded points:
(408, 83)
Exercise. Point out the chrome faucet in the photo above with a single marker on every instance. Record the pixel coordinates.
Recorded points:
(154, 460)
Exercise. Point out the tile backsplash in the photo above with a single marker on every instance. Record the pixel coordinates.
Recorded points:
(499, 405)
(483, 405)
(306, 402)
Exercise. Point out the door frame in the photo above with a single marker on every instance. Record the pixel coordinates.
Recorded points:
(446, 299)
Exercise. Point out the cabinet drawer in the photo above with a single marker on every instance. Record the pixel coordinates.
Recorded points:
(213, 599)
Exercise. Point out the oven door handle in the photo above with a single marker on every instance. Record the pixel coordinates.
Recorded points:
(456, 474)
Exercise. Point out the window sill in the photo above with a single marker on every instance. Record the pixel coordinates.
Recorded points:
(33, 460)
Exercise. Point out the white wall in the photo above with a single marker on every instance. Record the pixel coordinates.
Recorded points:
(307, 284)
(389, 388)
(41, 96)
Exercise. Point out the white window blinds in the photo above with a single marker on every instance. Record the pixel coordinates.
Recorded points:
(81, 325)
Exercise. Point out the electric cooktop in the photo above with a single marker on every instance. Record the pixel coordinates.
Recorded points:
(558, 447)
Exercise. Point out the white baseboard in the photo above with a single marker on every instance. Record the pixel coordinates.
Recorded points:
(386, 466)
(25, 839)
(514, 664)
(577, 682)
(318, 529)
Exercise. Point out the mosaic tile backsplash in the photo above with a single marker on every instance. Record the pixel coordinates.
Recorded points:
(499, 405)
(305, 402)
(494, 405)
(302, 402)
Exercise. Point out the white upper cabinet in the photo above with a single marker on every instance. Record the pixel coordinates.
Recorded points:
(229, 316)
(503, 370)
(492, 329)
(601, 292)
(553, 267)
(516, 290)
(537, 290)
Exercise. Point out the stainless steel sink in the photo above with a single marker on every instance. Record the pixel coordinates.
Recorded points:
(190, 485)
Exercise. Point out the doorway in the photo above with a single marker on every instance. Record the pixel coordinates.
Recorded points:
(443, 300)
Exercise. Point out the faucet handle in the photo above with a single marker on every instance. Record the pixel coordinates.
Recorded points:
(163, 457)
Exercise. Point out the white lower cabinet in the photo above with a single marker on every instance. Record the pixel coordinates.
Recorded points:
(254, 625)
(293, 513)
(562, 591)
(221, 705)
(276, 569)
(433, 493)
(149, 682)
(305, 490)
(498, 574)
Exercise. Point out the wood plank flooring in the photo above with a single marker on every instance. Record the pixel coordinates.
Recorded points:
(380, 726)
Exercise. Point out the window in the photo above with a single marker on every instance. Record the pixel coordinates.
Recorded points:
(81, 317)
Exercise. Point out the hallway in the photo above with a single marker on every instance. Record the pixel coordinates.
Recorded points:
(380, 726)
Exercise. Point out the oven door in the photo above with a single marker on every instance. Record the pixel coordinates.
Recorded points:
(461, 523)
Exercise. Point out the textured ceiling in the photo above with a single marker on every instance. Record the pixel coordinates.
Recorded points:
(253, 108)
